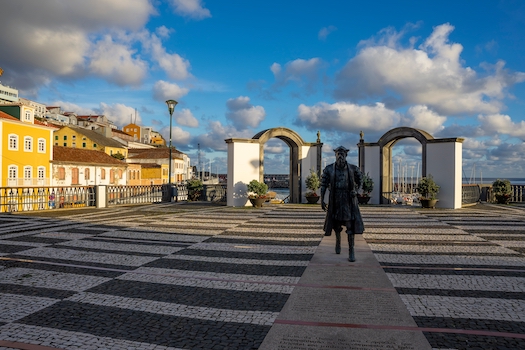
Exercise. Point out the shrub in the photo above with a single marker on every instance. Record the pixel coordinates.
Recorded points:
(427, 187)
(195, 187)
(502, 190)
(257, 188)
(312, 183)
(368, 184)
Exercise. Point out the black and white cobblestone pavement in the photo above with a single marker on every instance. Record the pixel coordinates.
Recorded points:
(196, 276)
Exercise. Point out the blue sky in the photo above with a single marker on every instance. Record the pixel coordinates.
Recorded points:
(451, 68)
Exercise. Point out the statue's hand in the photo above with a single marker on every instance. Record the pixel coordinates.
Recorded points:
(353, 193)
(323, 205)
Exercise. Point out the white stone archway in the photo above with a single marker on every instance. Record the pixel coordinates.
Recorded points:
(246, 163)
(441, 158)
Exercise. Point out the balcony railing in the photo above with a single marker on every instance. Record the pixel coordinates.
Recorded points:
(13, 199)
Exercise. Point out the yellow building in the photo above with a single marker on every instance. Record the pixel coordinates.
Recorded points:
(75, 137)
(26, 150)
(154, 174)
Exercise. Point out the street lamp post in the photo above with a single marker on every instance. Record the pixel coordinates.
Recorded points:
(171, 107)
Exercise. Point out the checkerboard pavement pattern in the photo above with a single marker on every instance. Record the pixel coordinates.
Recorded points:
(190, 276)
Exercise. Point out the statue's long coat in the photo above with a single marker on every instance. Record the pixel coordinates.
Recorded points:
(354, 178)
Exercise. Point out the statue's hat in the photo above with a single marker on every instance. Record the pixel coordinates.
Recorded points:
(341, 149)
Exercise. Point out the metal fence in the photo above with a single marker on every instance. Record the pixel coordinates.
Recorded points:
(13, 199)
(470, 194)
(133, 194)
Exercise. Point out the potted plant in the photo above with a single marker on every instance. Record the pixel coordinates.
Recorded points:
(502, 191)
(366, 188)
(195, 187)
(427, 189)
(257, 193)
(312, 184)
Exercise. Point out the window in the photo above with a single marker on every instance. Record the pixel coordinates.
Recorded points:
(102, 174)
(28, 115)
(86, 174)
(13, 172)
(74, 137)
(41, 173)
(83, 145)
(74, 176)
(65, 144)
(112, 176)
(65, 137)
(94, 145)
(56, 143)
(28, 143)
(28, 170)
(13, 142)
(73, 144)
(41, 145)
(56, 137)
(61, 173)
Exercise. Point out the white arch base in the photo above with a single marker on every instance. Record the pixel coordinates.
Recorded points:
(246, 163)
(441, 158)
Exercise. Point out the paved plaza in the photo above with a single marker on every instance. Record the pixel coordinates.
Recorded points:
(203, 276)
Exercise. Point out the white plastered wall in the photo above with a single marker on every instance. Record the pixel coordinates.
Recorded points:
(244, 158)
(373, 168)
(309, 162)
(444, 163)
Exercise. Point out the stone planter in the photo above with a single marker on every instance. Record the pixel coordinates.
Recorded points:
(428, 203)
(312, 199)
(363, 199)
(257, 202)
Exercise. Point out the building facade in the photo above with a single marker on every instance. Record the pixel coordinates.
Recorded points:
(26, 151)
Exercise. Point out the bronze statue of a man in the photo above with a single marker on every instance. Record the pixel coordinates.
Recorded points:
(343, 180)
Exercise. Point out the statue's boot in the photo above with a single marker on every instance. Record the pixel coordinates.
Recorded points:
(338, 242)
(351, 253)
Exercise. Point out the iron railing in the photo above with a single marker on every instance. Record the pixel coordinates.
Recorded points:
(13, 199)
(133, 194)
(470, 194)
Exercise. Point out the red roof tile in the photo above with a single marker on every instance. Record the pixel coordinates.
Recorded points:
(77, 155)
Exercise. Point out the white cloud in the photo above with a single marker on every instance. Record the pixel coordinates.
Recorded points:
(179, 137)
(186, 118)
(421, 117)
(243, 114)
(431, 75)
(325, 31)
(72, 107)
(217, 133)
(120, 114)
(191, 8)
(305, 73)
(173, 64)
(163, 91)
(115, 62)
(502, 124)
(49, 39)
(346, 117)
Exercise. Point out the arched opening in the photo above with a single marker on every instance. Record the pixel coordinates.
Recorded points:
(406, 170)
(276, 162)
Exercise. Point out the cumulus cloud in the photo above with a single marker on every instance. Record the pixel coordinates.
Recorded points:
(119, 113)
(421, 117)
(304, 73)
(186, 118)
(173, 64)
(179, 138)
(346, 117)
(163, 91)
(323, 33)
(116, 62)
(216, 133)
(432, 74)
(190, 8)
(502, 124)
(243, 114)
(49, 39)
